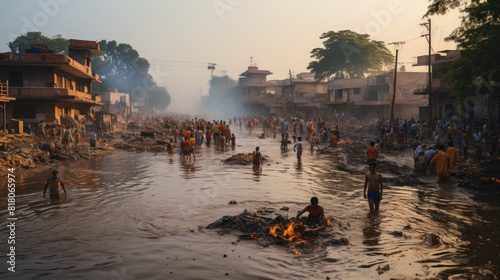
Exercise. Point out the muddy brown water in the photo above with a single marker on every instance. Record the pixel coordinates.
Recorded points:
(136, 216)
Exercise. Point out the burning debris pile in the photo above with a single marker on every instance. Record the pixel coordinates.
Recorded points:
(482, 176)
(298, 236)
(241, 159)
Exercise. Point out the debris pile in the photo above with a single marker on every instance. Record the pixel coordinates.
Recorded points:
(481, 176)
(299, 236)
(241, 159)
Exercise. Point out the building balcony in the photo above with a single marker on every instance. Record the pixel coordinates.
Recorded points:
(61, 61)
(53, 93)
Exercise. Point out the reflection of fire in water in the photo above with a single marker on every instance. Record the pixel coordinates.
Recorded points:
(433, 240)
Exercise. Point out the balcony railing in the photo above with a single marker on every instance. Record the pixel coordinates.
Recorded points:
(48, 93)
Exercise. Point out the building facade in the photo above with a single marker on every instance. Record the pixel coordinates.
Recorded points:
(48, 85)
(371, 97)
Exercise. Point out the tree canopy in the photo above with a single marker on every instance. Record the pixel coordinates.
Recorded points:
(477, 38)
(119, 67)
(56, 43)
(349, 53)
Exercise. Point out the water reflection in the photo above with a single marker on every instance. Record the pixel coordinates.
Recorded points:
(189, 167)
(257, 171)
(371, 230)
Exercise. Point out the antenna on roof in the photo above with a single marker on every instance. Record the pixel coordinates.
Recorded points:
(251, 62)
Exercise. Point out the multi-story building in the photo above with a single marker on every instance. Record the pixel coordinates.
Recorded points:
(371, 97)
(253, 85)
(484, 103)
(48, 85)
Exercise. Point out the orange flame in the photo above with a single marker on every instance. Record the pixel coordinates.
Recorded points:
(289, 233)
(329, 221)
(272, 230)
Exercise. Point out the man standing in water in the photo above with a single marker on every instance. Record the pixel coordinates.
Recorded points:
(256, 158)
(298, 148)
(373, 181)
(56, 186)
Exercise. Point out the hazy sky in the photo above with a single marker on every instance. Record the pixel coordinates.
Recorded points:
(180, 37)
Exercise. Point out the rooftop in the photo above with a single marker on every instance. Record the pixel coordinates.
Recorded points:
(255, 70)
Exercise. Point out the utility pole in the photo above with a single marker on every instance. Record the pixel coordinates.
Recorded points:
(211, 66)
(291, 91)
(396, 45)
(429, 87)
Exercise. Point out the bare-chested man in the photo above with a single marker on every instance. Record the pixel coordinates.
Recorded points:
(374, 182)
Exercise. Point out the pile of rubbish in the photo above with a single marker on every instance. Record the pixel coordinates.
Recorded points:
(241, 159)
(482, 176)
(299, 236)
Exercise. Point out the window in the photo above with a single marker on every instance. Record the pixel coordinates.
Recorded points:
(357, 90)
(123, 99)
(338, 94)
(23, 112)
(16, 79)
(59, 81)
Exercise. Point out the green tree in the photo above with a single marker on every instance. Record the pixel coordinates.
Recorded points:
(56, 43)
(122, 68)
(477, 38)
(349, 53)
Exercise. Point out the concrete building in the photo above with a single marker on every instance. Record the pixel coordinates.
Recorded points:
(48, 85)
(371, 97)
(116, 102)
(482, 104)
(253, 85)
(306, 97)
(4, 99)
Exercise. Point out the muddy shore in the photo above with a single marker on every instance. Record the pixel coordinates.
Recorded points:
(397, 166)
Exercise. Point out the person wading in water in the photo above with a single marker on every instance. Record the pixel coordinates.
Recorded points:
(56, 186)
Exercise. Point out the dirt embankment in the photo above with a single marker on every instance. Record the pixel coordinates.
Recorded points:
(26, 151)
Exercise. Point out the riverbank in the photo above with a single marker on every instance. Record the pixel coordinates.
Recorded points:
(397, 167)
(27, 151)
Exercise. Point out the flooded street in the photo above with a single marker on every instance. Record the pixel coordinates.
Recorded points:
(137, 216)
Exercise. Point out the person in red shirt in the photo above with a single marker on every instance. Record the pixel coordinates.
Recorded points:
(316, 212)
(372, 152)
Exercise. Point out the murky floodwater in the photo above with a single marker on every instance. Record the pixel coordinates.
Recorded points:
(136, 216)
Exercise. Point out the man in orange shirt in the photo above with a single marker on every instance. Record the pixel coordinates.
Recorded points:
(333, 140)
(441, 161)
(185, 148)
(372, 152)
(452, 153)
(187, 134)
(192, 144)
